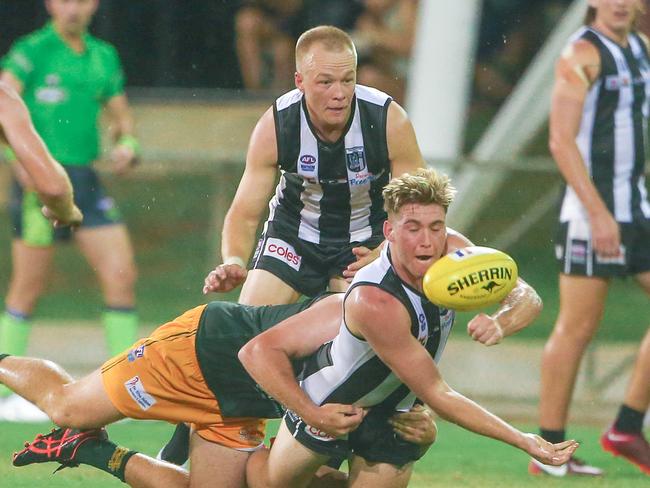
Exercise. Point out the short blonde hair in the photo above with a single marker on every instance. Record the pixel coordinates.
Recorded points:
(332, 38)
(425, 187)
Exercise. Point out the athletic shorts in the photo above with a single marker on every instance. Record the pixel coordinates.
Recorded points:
(29, 224)
(303, 265)
(374, 440)
(159, 378)
(575, 255)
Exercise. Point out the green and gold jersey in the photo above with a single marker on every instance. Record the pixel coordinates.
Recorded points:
(65, 90)
(224, 329)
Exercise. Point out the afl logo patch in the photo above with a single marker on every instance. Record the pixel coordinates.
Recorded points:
(307, 162)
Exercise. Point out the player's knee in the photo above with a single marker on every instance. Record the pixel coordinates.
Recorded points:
(579, 332)
(121, 277)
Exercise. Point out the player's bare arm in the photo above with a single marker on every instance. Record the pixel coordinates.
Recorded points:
(45, 174)
(267, 358)
(125, 153)
(576, 70)
(381, 319)
(247, 208)
(405, 157)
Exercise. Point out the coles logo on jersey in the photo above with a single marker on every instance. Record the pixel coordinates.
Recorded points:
(318, 434)
(136, 390)
(307, 162)
(355, 158)
(278, 249)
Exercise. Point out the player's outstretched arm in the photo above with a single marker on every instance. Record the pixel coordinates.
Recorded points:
(48, 176)
(382, 320)
(267, 358)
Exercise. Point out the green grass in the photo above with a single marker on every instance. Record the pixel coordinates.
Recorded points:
(458, 459)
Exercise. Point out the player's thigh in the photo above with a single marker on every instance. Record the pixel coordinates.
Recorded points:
(582, 300)
(215, 465)
(290, 463)
(264, 288)
(378, 475)
(107, 248)
(86, 404)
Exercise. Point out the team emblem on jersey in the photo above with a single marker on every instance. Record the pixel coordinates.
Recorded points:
(356, 159)
(52, 92)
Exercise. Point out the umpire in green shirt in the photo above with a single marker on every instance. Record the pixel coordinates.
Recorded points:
(66, 76)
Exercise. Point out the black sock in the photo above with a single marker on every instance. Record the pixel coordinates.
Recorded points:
(553, 436)
(2, 356)
(177, 449)
(105, 455)
(629, 420)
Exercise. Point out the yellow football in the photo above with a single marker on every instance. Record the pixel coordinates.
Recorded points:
(470, 278)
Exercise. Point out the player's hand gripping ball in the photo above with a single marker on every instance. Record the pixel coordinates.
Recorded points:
(470, 278)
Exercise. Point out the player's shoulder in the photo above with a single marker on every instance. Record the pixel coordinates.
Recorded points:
(288, 99)
(35, 40)
(371, 95)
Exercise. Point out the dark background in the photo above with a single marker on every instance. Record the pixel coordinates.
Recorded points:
(162, 43)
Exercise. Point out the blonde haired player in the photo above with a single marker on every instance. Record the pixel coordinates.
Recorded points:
(384, 357)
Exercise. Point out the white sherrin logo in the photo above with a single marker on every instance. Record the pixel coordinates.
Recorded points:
(278, 249)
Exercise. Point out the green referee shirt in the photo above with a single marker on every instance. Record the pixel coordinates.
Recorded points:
(65, 90)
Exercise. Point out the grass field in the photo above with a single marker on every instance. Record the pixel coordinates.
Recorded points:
(458, 459)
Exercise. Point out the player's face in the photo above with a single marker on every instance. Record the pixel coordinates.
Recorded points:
(418, 237)
(72, 17)
(616, 15)
(327, 78)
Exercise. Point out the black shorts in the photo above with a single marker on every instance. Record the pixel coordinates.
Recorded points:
(98, 209)
(575, 255)
(303, 265)
(374, 440)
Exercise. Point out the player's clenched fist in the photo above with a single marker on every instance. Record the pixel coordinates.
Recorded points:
(485, 329)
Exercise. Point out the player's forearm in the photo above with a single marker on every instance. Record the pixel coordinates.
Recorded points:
(272, 370)
(574, 172)
(238, 237)
(454, 407)
(518, 309)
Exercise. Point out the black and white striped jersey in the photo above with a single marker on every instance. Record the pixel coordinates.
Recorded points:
(613, 129)
(347, 370)
(330, 193)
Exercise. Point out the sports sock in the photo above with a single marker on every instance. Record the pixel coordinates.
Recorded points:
(177, 449)
(121, 326)
(629, 420)
(14, 336)
(553, 436)
(105, 455)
